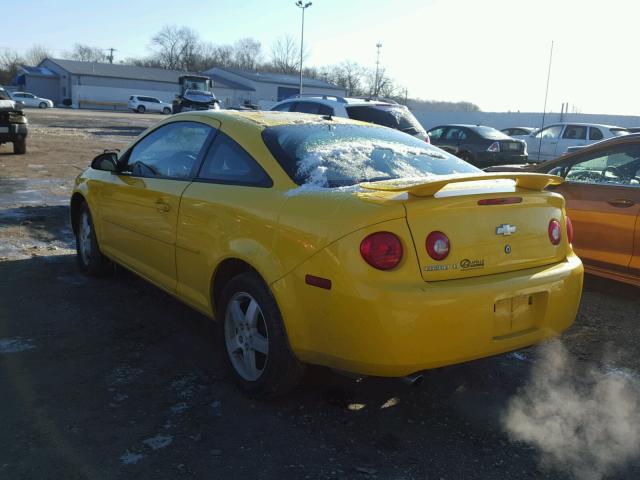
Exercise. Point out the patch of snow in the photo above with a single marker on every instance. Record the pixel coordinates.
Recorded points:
(15, 345)
(518, 356)
(159, 441)
(130, 458)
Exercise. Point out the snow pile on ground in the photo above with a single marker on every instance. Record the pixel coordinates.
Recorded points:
(582, 420)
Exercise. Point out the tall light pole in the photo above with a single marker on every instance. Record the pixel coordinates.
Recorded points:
(302, 6)
(375, 90)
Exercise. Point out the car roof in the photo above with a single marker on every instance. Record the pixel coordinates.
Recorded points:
(267, 118)
(347, 101)
(609, 142)
(582, 124)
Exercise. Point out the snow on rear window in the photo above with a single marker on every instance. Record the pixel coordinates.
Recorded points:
(330, 156)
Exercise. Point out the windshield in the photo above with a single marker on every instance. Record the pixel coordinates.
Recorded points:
(196, 84)
(394, 116)
(341, 155)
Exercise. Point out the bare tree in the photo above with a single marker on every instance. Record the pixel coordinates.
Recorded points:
(212, 55)
(10, 60)
(176, 48)
(87, 53)
(285, 55)
(350, 76)
(36, 54)
(247, 54)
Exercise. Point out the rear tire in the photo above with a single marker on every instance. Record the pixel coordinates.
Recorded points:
(254, 339)
(90, 259)
(141, 109)
(20, 147)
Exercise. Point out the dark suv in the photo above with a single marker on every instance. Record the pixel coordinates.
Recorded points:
(13, 124)
(478, 145)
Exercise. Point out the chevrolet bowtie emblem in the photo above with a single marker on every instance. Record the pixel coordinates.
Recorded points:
(505, 229)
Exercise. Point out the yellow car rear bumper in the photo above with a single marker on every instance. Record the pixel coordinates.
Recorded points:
(392, 329)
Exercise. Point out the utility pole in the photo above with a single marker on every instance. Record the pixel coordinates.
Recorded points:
(546, 93)
(302, 6)
(110, 56)
(375, 88)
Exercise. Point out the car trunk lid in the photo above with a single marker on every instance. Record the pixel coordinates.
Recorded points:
(495, 223)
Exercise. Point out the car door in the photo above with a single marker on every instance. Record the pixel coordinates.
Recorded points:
(542, 145)
(573, 135)
(30, 100)
(138, 207)
(452, 139)
(229, 208)
(602, 190)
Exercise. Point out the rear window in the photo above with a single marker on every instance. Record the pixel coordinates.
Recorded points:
(394, 116)
(490, 133)
(325, 155)
(618, 132)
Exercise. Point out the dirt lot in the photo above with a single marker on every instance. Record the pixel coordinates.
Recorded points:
(111, 378)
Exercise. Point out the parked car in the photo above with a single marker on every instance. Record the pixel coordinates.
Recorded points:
(13, 124)
(518, 131)
(31, 100)
(554, 140)
(602, 190)
(381, 112)
(479, 145)
(142, 104)
(325, 241)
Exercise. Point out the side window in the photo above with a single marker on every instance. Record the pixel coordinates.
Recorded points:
(575, 132)
(618, 166)
(456, 134)
(436, 133)
(595, 134)
(171, 151)
(283, 107)
(228, 163)
(550, 133)
(325, 110)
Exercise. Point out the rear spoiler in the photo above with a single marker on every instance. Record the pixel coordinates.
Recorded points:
(426, 187)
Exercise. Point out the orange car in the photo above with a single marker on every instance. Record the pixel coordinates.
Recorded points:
(602, 190)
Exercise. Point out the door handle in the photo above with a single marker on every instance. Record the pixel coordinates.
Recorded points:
(621, 203)
(162, 206)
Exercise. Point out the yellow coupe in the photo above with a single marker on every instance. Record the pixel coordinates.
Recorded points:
(333, 242)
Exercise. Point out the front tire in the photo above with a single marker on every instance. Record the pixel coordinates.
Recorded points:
(166, 110)
(42, 105)
(90, 259)
(141, 109)
(254, 339)
(20, 147)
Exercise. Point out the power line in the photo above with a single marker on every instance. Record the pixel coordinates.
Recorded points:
(110, 56)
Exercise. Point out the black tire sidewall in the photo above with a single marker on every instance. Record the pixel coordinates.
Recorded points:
(98, 263)
(20, 147)
(282, 370)
(166, 111)
(42, 105)
(141, 109)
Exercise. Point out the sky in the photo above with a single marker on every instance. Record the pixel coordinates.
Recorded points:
(494, 53)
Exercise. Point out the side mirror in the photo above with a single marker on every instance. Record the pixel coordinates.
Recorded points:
(107, 161)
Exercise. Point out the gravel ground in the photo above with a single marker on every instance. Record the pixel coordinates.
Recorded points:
(111, 378)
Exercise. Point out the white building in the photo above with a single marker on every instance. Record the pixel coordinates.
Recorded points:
(238, 87)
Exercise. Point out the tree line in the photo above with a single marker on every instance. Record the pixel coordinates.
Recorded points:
(181, 48)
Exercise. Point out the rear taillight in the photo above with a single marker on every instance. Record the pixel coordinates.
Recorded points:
(381, 250)
(555, 232)
(438, 245)
(569, 230)
(494, 147)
